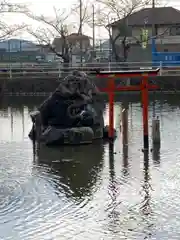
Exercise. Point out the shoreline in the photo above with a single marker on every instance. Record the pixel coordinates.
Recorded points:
(44, 86)
(44, 94)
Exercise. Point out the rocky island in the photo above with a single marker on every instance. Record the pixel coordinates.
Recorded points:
(73, 114)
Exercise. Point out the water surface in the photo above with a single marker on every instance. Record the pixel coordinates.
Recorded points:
(90, 192)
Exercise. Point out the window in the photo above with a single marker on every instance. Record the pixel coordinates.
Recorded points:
(156, 29)
(175, 31)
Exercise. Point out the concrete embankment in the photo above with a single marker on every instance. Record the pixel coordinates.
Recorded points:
(49, 83)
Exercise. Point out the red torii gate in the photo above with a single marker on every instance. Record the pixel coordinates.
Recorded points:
(143, 87)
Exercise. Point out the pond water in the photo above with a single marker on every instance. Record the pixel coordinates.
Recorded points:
(90, 192)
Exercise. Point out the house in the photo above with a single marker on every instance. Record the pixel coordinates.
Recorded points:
(74, 41)
(50, 56)
(167, 28)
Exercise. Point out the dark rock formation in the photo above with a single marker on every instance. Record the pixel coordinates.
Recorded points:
(73, 114)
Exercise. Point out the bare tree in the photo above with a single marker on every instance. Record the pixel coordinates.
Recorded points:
(112, 10)
(87, 14)
(56, 27)
(119, 11)
(50, 28)
(9, 30)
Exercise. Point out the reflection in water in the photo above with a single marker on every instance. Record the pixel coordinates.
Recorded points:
(23, 123)
(90, 192)
(112, 177)
(145, 208)
(131, 111)
(156, 155)
(113, 213)
(78, 167)
(125, 161)
(12, 126)
(17, 118)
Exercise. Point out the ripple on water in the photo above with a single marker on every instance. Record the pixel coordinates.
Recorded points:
(36, 204)
(33, 208)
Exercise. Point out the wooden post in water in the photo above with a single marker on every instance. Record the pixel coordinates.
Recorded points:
(111, 86)
(12, 122)
(124, 131)
(36, 132)
(124, 121)
(156, 138)
(145, 111)
(124, 117)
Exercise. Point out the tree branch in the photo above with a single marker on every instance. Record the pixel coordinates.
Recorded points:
(51, 28)
(7, 30)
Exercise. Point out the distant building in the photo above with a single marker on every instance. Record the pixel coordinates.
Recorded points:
(18, 45)
(74, 41)
(167, 28)
(103, 50)
(50, 56)
(25, 56)
(20, 50)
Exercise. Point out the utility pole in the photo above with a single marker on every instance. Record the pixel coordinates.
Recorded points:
(153, 24)
(93, 29)
(80, 31)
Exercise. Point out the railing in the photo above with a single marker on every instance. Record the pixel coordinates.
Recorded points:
(90, 64)
(27, 64)
(46, 69)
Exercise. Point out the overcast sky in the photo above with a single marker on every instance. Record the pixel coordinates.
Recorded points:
(45, 7)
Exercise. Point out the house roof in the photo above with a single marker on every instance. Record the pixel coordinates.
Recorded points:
(159, 15)
(74, 37)
(78, 36)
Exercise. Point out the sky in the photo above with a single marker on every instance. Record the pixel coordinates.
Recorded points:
(45, 7)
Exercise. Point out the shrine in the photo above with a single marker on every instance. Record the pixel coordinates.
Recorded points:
(143, 87)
